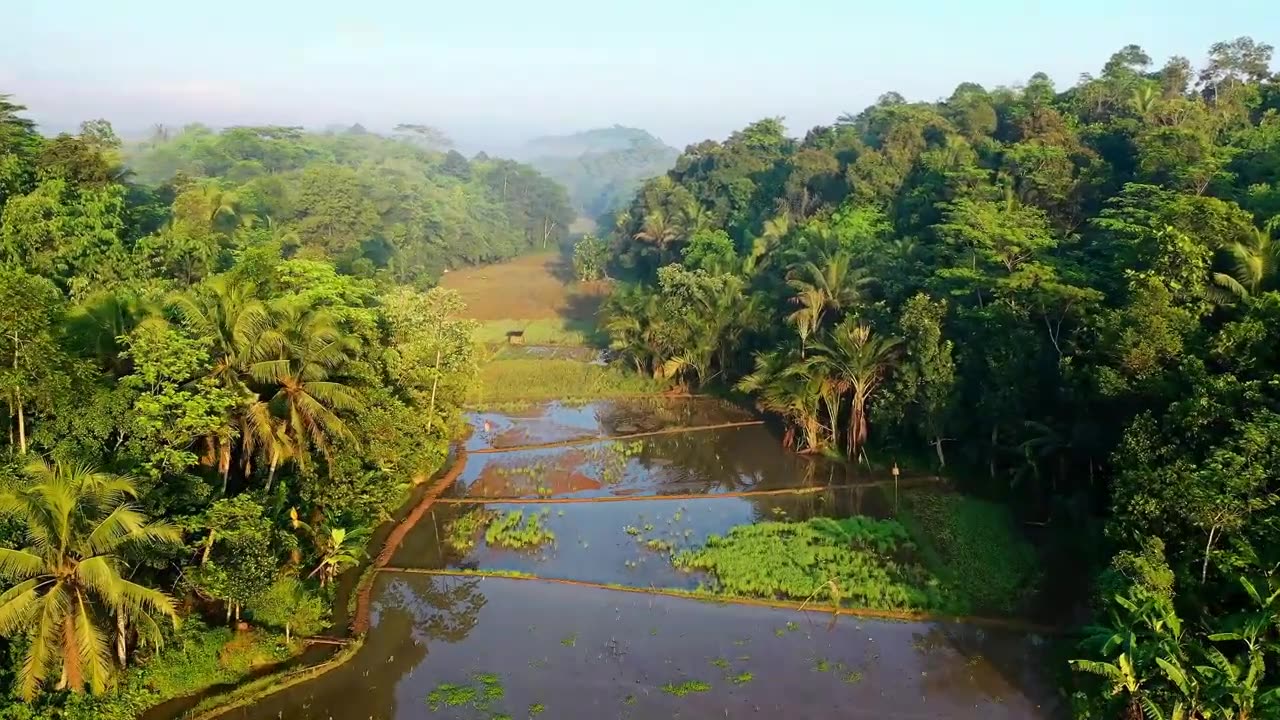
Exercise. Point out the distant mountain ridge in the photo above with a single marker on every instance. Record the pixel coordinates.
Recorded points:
(601, 168)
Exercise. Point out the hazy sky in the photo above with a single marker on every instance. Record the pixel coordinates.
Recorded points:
(495, 71)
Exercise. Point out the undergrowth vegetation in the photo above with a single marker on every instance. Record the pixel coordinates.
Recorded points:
(198, 657)
(973, 546)
(855, 561)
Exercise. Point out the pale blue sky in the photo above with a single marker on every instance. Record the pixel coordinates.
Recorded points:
(498, 71)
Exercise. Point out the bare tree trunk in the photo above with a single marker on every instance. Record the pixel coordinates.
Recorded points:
(435, 382)
(22, 424)
(937, 447)
(1204, 569)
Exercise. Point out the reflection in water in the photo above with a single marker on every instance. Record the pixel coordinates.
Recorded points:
(588, 653)
(601, 654)
(698, 462)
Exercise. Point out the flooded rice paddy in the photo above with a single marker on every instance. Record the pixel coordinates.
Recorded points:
(613, 512)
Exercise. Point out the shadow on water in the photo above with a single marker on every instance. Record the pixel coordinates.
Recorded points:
(597, 653)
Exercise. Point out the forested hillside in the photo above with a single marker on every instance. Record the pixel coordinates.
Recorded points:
(372, 204)
(1066, 297)
(216, 386)
(601, 168)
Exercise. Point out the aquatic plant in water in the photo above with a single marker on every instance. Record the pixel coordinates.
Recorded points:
(462, 531)
(684, 688)
(517, 531)
(857, 559)
(480, 694)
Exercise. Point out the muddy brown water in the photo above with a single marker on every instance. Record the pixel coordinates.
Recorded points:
(581, 652)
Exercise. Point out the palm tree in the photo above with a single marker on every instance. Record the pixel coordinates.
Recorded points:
(77, 525)
(228, 311)
(308, 348)
(659, 231)
(791, 388)
(830, 284)
(857, 360)
(266, 435)
(1254, 264)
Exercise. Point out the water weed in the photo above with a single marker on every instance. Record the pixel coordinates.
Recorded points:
(517, 531)
(857, 559)
(685, 688)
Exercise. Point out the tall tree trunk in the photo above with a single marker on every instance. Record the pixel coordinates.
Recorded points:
(271, 473)
(435, 382)
(937, 446)
(1208, 547)
(22, 424)
(122, 639)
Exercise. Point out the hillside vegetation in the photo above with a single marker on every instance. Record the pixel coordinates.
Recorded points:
(1067, 297)
(601, 168)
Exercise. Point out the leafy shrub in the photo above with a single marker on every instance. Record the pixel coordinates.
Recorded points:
(974, 547)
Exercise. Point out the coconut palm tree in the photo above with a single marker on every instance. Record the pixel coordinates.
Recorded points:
(660, 231)
(1254, 264)
(265, 435)
(857, 360)
(307, 349)
(69, 579)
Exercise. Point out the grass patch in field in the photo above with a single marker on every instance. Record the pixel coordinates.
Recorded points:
(517, 531)
(686, 687)
(855, 561)
(535, 379)
(973, 546)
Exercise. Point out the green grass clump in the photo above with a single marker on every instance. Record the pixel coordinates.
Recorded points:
(975, 548)
(742, 678)
(535, 379)
(462, 532)
(685, 688)
(516, 531)
(855, 560)
(484, 690)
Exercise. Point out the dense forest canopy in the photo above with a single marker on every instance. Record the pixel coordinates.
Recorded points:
(601, 168)
(1066, 297)
(371, 204)
(220, 370)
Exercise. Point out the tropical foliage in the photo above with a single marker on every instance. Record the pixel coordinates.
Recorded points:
(1066, 296)
(218, 376)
